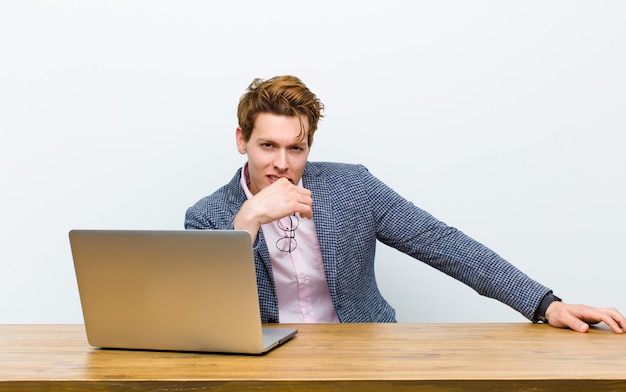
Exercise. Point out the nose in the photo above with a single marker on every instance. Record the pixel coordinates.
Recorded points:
(280, 160)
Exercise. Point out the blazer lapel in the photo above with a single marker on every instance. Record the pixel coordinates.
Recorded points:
(238, 197)
(323, 216)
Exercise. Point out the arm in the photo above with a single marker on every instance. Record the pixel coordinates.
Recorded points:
(411, 230)
(459, 256)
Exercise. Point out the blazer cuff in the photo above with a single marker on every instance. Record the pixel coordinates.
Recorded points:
(540, 313)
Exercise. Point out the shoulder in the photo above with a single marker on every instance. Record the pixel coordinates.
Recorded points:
(226, 194)
(340, 181)
(349, 181)
(338, 175)
(333, 169)
(216, 210)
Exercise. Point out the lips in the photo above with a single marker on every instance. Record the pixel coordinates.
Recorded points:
(273, 179)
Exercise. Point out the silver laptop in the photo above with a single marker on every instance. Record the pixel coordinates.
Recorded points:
(184, 290)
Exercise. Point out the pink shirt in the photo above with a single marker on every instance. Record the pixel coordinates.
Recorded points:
(298, 268)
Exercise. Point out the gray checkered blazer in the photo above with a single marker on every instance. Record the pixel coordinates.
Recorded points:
(352, 209)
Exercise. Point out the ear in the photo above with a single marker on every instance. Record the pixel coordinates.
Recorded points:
(241, 143)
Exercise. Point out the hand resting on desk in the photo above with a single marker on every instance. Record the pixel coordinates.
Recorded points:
(578, 317)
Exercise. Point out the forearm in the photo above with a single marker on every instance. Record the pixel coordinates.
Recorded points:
(247, 222)
(472, 263)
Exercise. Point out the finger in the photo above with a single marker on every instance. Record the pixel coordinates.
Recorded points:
(613, 325)
(611, 317)
(622, 322)
(579, 326)
(615, 320)
(305, 204)
(568, 320)
(306, 210)
(303, 192)
(284, 183)
(308, 215)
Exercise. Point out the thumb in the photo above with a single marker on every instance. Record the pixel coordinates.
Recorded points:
(568, 320)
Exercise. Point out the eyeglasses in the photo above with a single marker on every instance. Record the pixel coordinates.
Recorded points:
(288, 224)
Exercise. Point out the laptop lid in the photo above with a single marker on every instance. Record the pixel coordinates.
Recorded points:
(183, 290)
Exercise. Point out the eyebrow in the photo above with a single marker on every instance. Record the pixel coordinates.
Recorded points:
(300, 143)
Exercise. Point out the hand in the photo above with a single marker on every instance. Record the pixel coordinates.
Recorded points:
(276, 201)
(578, 317)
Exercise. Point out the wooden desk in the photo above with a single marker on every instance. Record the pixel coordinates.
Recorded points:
(360, 357)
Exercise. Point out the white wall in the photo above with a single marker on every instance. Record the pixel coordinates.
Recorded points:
(504, 119)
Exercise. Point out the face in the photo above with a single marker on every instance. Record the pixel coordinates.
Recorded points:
(274, 150)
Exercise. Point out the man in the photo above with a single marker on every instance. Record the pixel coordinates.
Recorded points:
(314, 226)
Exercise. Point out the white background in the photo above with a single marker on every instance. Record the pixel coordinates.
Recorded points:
(504, 119)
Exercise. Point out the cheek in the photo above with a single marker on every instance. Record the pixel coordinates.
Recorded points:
(300, 160)
(262, 160)
(298, 165)
(259, 161)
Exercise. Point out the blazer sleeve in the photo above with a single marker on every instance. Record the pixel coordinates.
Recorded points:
(411, 230)
(216, 211)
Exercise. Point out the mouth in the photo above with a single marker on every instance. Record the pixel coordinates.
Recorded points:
(273, 179)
